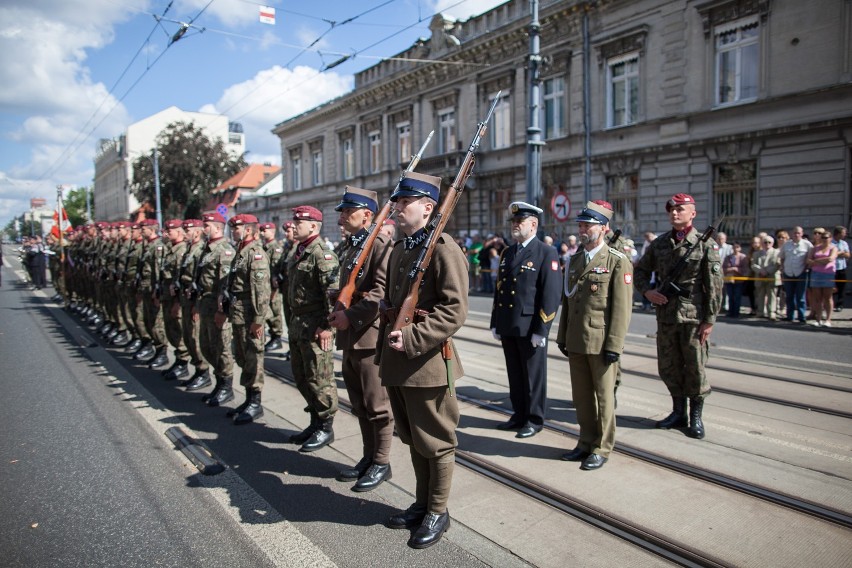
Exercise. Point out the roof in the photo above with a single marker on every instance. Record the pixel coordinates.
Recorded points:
(249, 178)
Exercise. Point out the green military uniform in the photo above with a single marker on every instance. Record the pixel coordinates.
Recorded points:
(250, 288)
(122, 287)
(275, 252)
(190, 327)
(212, 273)
(134, 275)
(150, 267)
(170, 298)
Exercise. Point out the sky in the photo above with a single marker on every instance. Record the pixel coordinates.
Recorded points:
(75, 71)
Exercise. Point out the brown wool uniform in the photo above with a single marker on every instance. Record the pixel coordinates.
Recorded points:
(150, 267)
(275, 252)
(213, 271)
(311, 271)
(595, 316)
(170, 297)
(360, 372)
(190, 329)
(426, 415)
(250, 288)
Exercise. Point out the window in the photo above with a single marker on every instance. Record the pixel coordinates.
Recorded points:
(554, 108)
(375, 138)
(501, 127)
(623, 194)
(296, 168)
(316, 169)
(737, 61)
(735, 195)
(403, 137)
(446, 131)
(348, 159)
(622, 90)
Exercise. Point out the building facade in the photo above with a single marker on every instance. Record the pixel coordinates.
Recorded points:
(745, 104)
(115, 156)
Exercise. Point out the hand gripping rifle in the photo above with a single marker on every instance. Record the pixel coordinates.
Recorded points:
(344, 296)
(227, 295)
(669, 287)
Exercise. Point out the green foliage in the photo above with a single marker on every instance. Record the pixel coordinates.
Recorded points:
(190, 166)
(75, 205)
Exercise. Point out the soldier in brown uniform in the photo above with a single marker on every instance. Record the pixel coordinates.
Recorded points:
(596, 310)
(149, 276)
(170, 298)
(412, 365)
(357, 333)
(194, 230)
(247, 298)
(275, 252)
(312, 270)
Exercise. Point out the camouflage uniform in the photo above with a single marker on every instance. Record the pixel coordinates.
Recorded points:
(134, 265)
(191, 328)
(171, 300)
(250, 288)
(275, 251)
(215, 342)
(150, 267)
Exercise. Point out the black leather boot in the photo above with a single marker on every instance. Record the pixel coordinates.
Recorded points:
(356, 471)
(161, 357)
(253, 411)
(696, 426)
(199, 381)
(305, 434)
(178, 371)
(321, 438)
(165, 372)
(224, 392)
(134, 346)
(113, 333)
(678, 416)
(122, 339)
(273, 345)
(146, 352)
(104, 329)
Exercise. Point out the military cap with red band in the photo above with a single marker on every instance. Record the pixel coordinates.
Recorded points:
(679, 199)
(192, 223)
(123, 224)
(307, 213)
(174, 224)
(242, 219)
(214, 217)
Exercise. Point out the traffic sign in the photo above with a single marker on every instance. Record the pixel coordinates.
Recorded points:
(222, 210)
(561, 206)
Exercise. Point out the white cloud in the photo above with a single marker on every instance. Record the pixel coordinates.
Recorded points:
(230, 12)
(466, 9)
(272, 96)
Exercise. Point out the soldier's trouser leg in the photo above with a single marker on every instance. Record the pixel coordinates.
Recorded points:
(276, 325)
(248, 353)
(153, 315)
(190, 331)
(681, 359)
(426, 419)
(313, 370)
(370, 403)
(174, 328)
(139, 318)
(592, 388)
(215, 342)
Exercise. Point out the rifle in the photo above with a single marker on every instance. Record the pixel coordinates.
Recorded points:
(194, 290)
(157, 282)
(614, 238)
(344, 296)
(227, 295)
(669, 287)
(138, 280)
(177, 287)
(409, 306)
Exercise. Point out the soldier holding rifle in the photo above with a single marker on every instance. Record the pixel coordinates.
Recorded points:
(688, 265)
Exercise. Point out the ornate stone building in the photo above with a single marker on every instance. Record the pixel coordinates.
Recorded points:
(743, 103)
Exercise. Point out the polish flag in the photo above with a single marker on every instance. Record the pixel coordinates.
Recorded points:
(267, 15)
(65, 224)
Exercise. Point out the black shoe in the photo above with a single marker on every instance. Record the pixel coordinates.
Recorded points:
(373, 477)
(252, 412)
(408, 519)
(235, 411)
(221, 395)
(696, 425)
(510, 424)
(165, 372)
(431, 530)
(321, 438)
(528, 430)
(121, 340)
(178, 371)
(134, 346)
(105, 328)
(273, 345)
(160, 359)
(575, 455)
(199, 381)
(355, 472)
(113, 333)
(147, 352)
(593, 462)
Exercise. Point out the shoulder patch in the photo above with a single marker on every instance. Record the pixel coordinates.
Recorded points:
(554, 265)
(258, 257)
(328, 256)
(617, 253)
(227, 253)
(628, 279)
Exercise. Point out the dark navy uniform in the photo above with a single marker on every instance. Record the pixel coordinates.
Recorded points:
(529, 284)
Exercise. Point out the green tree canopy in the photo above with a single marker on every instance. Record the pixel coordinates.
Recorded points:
(75, 205)
(190, 166)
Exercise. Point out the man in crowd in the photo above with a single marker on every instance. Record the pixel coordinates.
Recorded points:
(839, 241)
(170, 298)
(792, 256)
(150, 266)
(190, 326)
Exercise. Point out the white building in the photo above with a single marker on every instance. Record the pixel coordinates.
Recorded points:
(114, 158)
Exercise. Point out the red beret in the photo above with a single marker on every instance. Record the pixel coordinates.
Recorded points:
(148, 223)
(122, 224)
(242, 219)
(287, 224)
(174, 224)
(306, 213)
(214, 217)
(191, 223)
(135, 225)
(102, 225)
(264, 226)
(603, 203)
(679, 199)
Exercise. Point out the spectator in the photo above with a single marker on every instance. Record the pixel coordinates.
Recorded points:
(749, 284)
(572, 245)
(473, 259)
(548, 240)
(781, 237)
(839, 241)
(724, 250)
(793, 255)
(733, 268)
(493, 242)
(764, 267)
(389, 229)
(564, 255)
(822, 262)
(494, 266)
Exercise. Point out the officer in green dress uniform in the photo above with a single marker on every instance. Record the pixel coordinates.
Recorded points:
(596, 310)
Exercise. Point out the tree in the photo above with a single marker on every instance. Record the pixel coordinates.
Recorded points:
(75, 205)
(190, 166)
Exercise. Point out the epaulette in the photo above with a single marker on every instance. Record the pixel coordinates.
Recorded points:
(617, 253)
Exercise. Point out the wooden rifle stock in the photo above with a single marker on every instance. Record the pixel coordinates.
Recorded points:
(344, 296)
(409, 305)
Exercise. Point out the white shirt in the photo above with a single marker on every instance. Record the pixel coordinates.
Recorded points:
(794, 256)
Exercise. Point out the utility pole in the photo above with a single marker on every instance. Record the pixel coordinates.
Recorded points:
(88, 207)
(534, 141)
(157, 188)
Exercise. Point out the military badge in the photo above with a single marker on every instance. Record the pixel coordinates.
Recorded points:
(593, 287)
(554, 265)
(628, 279)
(258, 257)
(600, 270)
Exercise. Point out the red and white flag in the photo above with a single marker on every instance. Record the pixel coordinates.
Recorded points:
(65, 224)
(267, 15)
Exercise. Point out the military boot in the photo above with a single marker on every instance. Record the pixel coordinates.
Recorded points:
(146, 352)
(253, 411)
(134, 345)
(305, 434)
(165, 372)
(696, 426)
(200, 380)
(105, 328)
(161, 357)
(178, 371)
(678, 416)
(112, 333)
(223, 393)
(206, 398)
(321, 438)
(273, 345)
(122, 339)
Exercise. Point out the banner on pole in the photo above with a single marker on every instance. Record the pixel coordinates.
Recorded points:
(267, 15)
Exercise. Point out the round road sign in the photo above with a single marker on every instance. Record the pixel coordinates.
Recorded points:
(561, 206)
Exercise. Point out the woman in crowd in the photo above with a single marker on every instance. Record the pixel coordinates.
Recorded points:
(734, 268)
(821, 261)
(781, 237)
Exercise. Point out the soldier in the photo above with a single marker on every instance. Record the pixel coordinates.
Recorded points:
(596, 312)
(529, 282)
(275, 252)
(247, 299)
(281, 275)
(412, 363)
(194, 230)
(170, 298)
(125, 319)
(150, 267)
(684, 322)
(131, 285)
(357, 333)
(312, 270)
(215, 333)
